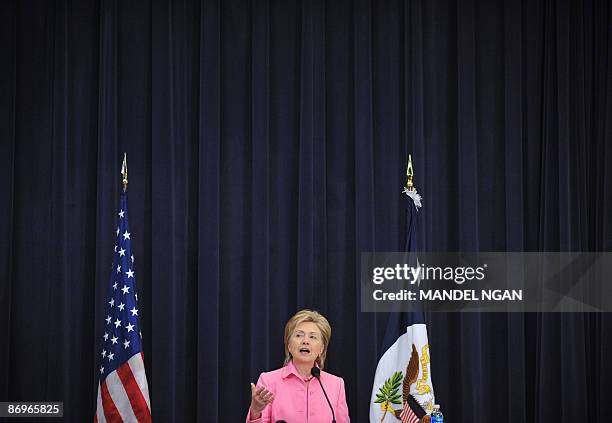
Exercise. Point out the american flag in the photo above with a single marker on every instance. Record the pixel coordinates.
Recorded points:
(123, 393)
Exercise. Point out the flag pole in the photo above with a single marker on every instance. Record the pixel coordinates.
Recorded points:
(124, 172)
(409, 174)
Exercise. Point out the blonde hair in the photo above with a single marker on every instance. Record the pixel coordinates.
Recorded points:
(318, 319)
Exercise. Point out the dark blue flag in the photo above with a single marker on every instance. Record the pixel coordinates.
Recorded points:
(402, 386)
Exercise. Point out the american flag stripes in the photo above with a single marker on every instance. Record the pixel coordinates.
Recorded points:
(123, 393)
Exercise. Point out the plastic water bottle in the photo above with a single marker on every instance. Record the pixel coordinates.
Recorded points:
(436, 415)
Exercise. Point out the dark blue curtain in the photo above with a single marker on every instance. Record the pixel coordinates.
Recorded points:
(267, 143)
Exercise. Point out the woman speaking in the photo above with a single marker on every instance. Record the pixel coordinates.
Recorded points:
(292, 392)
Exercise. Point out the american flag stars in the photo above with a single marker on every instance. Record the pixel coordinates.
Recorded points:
(122, 339)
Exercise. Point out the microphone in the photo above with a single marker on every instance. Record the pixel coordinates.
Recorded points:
(316, 372)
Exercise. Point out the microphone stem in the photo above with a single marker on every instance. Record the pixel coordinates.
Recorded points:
(328, 402)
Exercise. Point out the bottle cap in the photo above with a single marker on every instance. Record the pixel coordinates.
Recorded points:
(436, 406)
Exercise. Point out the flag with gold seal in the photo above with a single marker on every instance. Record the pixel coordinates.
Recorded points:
(402, 388)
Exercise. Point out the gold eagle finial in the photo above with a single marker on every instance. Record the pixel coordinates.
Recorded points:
(124, 172)
(409, 174)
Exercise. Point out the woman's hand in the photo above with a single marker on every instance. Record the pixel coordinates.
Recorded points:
(260, 398)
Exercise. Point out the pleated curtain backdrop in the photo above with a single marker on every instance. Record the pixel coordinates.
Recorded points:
(267, 143)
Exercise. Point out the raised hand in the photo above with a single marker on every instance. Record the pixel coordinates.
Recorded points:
(260, 398)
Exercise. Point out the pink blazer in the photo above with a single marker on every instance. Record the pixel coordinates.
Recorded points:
(296, 401)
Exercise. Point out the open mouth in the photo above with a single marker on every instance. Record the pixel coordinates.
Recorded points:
(304, 350)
